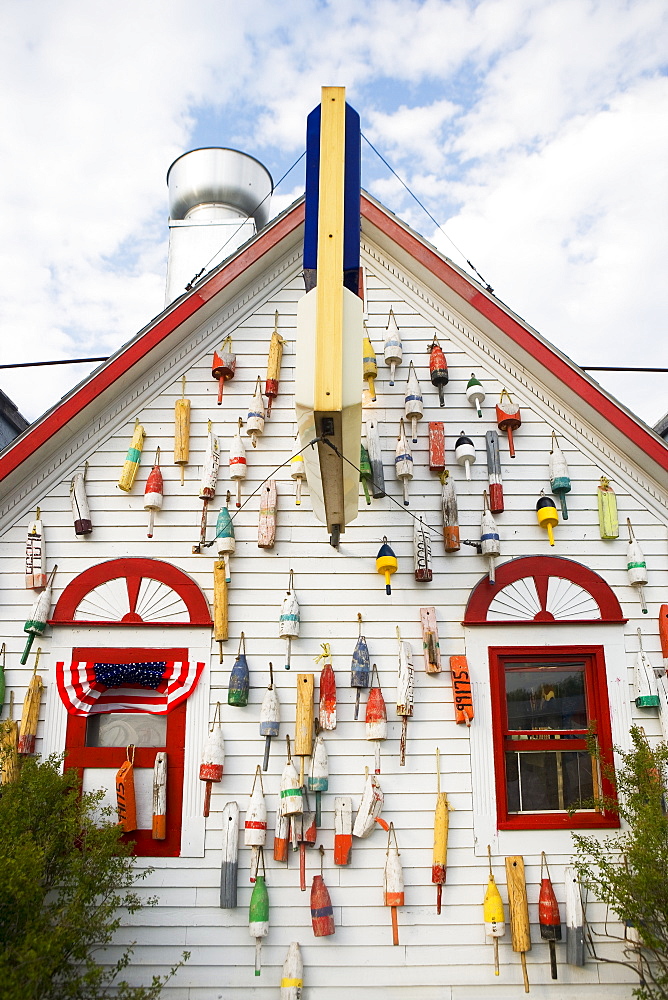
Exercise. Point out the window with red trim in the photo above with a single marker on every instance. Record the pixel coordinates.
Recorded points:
(546, 702)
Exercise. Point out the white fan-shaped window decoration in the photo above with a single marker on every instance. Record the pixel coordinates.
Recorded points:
(110, 601)
(516, 602)
(567, 600)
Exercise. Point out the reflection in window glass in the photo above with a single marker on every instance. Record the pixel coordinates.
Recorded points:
(548, 781)
(549, 696)
(119, 729)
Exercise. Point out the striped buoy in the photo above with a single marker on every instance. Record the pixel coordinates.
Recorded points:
(438, 368)
(370, 806)
(361, 665)
(208, 481)
(258, 913)
(386, 563)
(327, 690)
(343, 829)
(489, 538)
(153, 492)
(255, 823)
(413, 404)
(560, 482)
(213, 758)
(223, 366)
(289, 620)
(39, 614)
(322, 914)
(451, 541)
(393, 350)
(305, 832)
(269, 717)
(83, 524)
(228, 862)
(292, 979)
(132, 459)
(494, 472)
(225, 539)
(608, 518)
(292, 801)
(237, 461)
(318, 779)
(255, 416)
(548, 914)
(403, 461)
(237, 691)
(575, 940)
(273, 365)
(475, 394)
(636, 566)
(376, 716)
(465, 453)
(159, 821)
(36, 575)
(281, 836)
(393, 887)
(405, 676)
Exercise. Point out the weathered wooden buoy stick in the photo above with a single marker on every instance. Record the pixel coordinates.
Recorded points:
(30, 714)
(207, 485)
(125, 792)
(451, 541)
(273, 365)
(269, 717)
(422, 551)
(327, 690)
(575, 940)
(393, 895)
(461, 690)
(376, 716)
(36, 576)
(266, 528)
(608, 518)
(441, 825)
(83, 524)
(404, 692)
(182, 431)
(304, 720)
(229, 862)
(343, 829)
(431, 646)
(494, 472)
(293, 974)
(159, 821)
(520, 930)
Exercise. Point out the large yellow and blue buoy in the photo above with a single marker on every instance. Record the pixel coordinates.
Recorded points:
(386, 563)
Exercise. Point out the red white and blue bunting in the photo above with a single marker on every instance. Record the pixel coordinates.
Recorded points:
(89, 687)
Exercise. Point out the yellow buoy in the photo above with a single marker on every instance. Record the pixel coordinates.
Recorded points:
(386, 563)
(546, 512)
(369, 366)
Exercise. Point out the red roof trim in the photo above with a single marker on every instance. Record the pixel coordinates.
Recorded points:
(100, 382)
(515, 331)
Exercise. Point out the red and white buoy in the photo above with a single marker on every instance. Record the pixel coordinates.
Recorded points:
(327, 711)
(376, 716)
(223, 366)
(292, 798)
(343, 829)
(370, 806)
(255, 417)
(213, 758)
(508, 420)
(281, 835)
(494, 472)
(238, 461)
(393, 887)
(207, 486)
(255, 824)
(153, 493)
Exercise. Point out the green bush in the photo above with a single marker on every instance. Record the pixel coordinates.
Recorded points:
(65, 882)
(628, 870)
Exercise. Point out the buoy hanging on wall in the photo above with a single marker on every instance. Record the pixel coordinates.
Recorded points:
(182, 430)
(508, 420)
(36, 575)
(376, 716)
(560, 482)
(269, 717)
(546, 512)
(451, 541)
(494, 472)
(132, 459)
(465, 452)
(255, 416)
(393, 350)
(386, 563)
(289, 621)
(475, 394)
(413, 404)
(369, 365)
(403, 461)
(153, 492)
(495, 925)
(223, 366)
(273, 365)
(83, 524)
(608, 519)
(438, 368)
(636, 566)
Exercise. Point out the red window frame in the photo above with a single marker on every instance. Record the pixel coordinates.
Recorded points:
(598, 714)
(79, 756)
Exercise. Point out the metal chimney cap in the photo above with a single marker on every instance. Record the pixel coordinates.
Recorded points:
(216, 175)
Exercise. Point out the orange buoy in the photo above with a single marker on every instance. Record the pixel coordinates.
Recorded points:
(461, 689)
(438, 368)
(663, 632)
(508, 420)
(223, 366)
(343, 829)
(125, 792)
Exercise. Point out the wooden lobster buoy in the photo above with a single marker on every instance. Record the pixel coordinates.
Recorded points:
(386, 563)
(258, 913)
(575, 939)
(318, 779)
(298, 473)
(422, 551)
(461, 690)
(494, 472)
(393, 350)
(153, 493)
(475, 394)
(208, 482)
(546, 512)
(327, 690)
(125, 792)
(370, 806)
(220, 614)
(132, 459)
(223, 366)
(229, 862)
(213, 759)
(608, 519)
(238, 467)
(403, 461)
(645, 690)
(322, 914)
(269, 717)
(361, 664)
(431, 646)
(436, 446)
(30, 714)
(289, 621)
(292, 800)
(255, 824)
(441, 825)
(292, 979)
(343, 829)
(281, 836)
(225, 539)
(9, 739)
(489, 538)
(548, 914)
(36, 575)
(465, 452)
(304, 719)
(365, 472)
(83, 524)
(237, 691)
(304, 834)
(393, 882)
(182, 430)
(375, 457)
(636, 566)
(492, 909)
(520, 929)
(560, 482)
(663, 632)
(376, 716)
(273, 365)
(369, 366)
(438, 368)
(266, 528)
(508, 420)
(404, 692)
(413, 404)
(451, 541)
(255, 416)
(159, 820)
(36, 623)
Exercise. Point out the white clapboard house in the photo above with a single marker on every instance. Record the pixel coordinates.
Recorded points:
(549, 647)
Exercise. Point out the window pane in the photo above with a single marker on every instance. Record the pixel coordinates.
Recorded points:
(546, 696)
(119, 729)
(548, 781)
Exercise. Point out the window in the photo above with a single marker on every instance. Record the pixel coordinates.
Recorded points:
(545, 702)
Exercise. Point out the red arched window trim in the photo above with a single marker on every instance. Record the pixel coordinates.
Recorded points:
(134, 570)
(541, 568)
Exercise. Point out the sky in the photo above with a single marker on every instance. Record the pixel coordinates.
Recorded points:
(534, 131)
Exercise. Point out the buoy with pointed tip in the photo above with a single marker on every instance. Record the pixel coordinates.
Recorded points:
(289, 621)
(636, 566)
(269, 717)
(365, 472)
(182, 431)
(438, 368)
(213, 759)
(548, 914)
(238, 466)
(258, 913)
(451, 541)
(225, 539)
(375, 457)
(292, 800)
(39, 615)
(360, 666)
(369, 365)
(475, 394)
(318, 779)
(36, 575)
(132, 459)
(255, 417)
(496, 504)
(405, 677)
(237, 692)
(281, 835)
(575, 939)
(413, 404)
(322, 914)
(441, 824)
(560, 482)
(159, 815)
(465, 452)
(153, 493)
(403, 461)
(508, 420)
(489, 538)
(255, 823)
(608, 518)
(393, 881)
(376, 716)
(386, 563)
(292, 979)
(327, 690)
(370, 807)
(208, 482)
(492, 909)
(393, 349)
(223, 366)
(273, 365)
(546, 512)
(298, 473)
(83, 524)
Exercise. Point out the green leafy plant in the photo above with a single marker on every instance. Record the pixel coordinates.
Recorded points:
(627, 870)
(66, 882)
